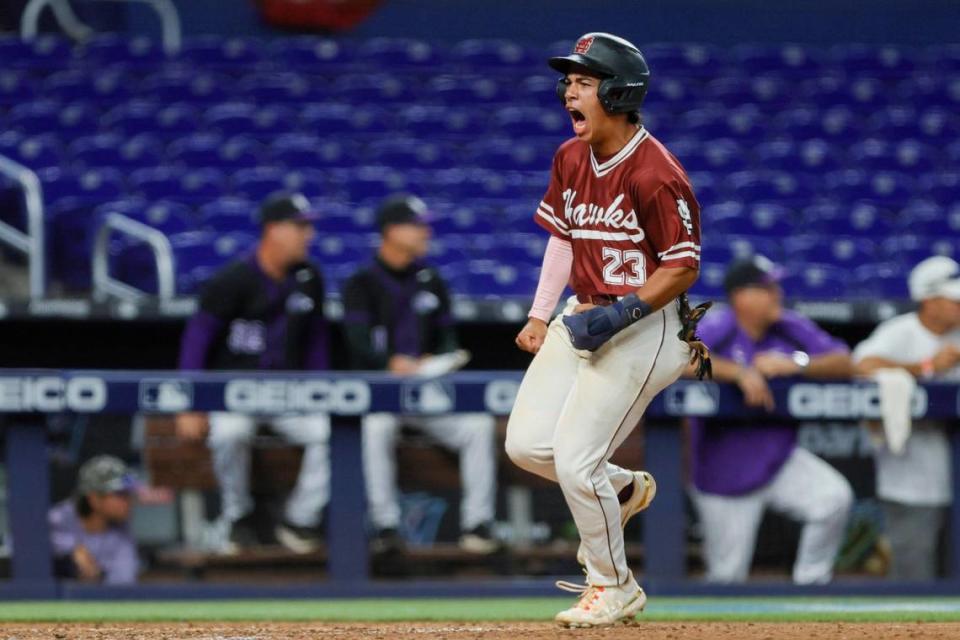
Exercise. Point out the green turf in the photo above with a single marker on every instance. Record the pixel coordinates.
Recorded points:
(493, 609)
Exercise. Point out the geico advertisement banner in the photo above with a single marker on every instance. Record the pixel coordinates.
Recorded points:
(52, 394)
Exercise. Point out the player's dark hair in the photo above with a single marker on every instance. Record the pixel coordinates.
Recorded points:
(84, 509)
(634, 117)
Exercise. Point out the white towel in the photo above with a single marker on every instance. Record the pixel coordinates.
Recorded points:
(896, 392)
(441, 365)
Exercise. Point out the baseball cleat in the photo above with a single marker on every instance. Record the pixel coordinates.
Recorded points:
(602, 606)
(644, 491)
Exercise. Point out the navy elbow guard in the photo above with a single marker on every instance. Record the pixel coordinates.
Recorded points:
(592, 328)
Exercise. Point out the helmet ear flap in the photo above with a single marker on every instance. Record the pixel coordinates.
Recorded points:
(562, 84)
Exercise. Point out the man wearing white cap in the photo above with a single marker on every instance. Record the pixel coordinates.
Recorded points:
(914, 485)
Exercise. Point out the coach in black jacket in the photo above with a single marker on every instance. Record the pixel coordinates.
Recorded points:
(396, 311)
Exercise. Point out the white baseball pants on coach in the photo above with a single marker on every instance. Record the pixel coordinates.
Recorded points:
(807, 489)
(574, 408)
(469, 434)
(230, 439)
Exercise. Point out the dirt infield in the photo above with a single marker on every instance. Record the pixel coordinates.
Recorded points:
(454, 631)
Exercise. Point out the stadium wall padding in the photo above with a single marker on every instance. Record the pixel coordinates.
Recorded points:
(543, 21)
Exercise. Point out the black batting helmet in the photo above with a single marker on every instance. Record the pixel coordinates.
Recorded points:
(621, 67)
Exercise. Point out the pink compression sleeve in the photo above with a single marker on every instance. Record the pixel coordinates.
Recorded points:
(557, 262)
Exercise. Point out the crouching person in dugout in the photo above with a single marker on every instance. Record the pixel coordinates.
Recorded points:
(89, 532)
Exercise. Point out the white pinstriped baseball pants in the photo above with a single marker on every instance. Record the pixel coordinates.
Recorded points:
(230, 439)
(574, 408)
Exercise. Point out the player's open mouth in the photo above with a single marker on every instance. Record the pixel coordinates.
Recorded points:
(579, 120)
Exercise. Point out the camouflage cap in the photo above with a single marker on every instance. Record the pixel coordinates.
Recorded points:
(104, 474)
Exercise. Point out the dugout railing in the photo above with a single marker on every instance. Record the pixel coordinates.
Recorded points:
(26, 396)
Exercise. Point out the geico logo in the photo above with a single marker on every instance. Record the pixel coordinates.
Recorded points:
(277, 396)
(500, 395)
(51, 394)
(844, 401)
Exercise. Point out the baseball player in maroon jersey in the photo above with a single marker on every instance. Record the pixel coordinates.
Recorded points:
(625, 234)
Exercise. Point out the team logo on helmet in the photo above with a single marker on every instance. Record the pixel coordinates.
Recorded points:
(583, 45)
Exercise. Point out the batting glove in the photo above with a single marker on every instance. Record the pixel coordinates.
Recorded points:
(592, 328)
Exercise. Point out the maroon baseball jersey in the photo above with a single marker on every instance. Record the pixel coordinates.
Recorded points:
(626, 216)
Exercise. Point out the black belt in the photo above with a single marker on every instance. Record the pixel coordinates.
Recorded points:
(600, 299)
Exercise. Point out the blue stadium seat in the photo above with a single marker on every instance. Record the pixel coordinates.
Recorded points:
(938, 125)
(304, 151)
(773, 186)
(710, 283)
(807, 156)
(197, 256)
(256, 183)
(408, 153)
(461, 219)
(894, 122)
(15, 88)
(399, 53)
(502, 55)
(46, 52)
(216, 51)
(35, 152)
(722, 154)
(531, 122)
(112, 48)
(338, 249)
(99, 150)
(742, 246)
(238, 118)
(41, 116)
(942, 187)
(792, 61)
(160, 183)
(178, 119)
(847, 252)
(132, 118)
(859, 219)
(374, 89)
(228, 215)
(167, 216)
(883, 280)
(687, 60)
(368, 182)
(880, 62)
(311, 182)
(435, 120)
(186, 86)
(100, 85)
(540, 90)
(456, 91)
(280, 88)
(815, 281)
(312, 54)
(509, 154)
(90, 186)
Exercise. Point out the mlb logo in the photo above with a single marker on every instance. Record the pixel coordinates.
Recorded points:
(692, 399)
(583, 45)
(428, 397)
(166, 395)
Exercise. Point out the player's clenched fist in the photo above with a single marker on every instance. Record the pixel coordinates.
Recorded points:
(532, 335)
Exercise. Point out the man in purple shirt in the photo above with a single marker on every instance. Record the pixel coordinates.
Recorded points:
(741, 468)
(88, 533)
(264, 311)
